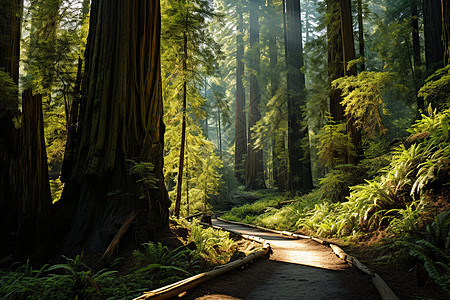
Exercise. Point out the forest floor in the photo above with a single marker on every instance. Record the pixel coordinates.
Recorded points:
(297, 269)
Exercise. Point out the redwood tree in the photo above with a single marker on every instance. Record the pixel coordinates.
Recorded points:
(446, 30)
(10, 13)
(241, 122)
(120, 120)
(299, 162)
(432, 26)
(254, 163)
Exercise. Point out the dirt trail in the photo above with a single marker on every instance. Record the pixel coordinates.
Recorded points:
(297, 269)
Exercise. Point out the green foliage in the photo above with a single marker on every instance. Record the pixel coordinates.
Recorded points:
(335, 185)
(72, 279)
(213, 245)
(8, 94)
(434, 250)
(158, 262)
(435, 90)
(334, 144)
(146, 177)
(363, 99)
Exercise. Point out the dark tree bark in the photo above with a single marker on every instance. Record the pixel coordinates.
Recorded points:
(432, 25)
(120, 119)
(361, 34)
(348, 48)
(416, 54)
(183, 130)
(10, 18)
(241, 122)
(254, 163)
(446, 30)
(299, 162)
(335, 57)
(34, 237)
(73, 111)
(274, 86)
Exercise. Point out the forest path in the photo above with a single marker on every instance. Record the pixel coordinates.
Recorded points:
(297, 269)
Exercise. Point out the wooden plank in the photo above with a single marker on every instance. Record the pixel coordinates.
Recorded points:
(384, 290)
(109, 251)
(338, 251)
(177, 288)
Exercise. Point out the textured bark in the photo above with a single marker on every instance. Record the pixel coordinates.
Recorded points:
(274, 86)
(254, 163)
(120, 119)
(335, 57)
(34, 236)
(432, 25)
(9, 138)
(361, 34)
(299, 162)
(348, 48)
(241, 122)
(446, 30)
(416, 54)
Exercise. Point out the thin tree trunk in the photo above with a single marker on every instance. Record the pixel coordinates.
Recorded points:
(299, 162)
(120, 120)
(241, 123)
(183, 133)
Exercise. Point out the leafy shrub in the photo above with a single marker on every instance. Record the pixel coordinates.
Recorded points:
(434, 251)
(213, 245)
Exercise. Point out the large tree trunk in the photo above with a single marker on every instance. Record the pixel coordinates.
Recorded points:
(348, 48)
(241, 122)
(416, 54)
(299, 162)
(120, 119)
(446, 30)
(34, 236)
(432, 25)
(361, 34)
(274, 86)
(10, 18)
(254, 163)
(335, 58)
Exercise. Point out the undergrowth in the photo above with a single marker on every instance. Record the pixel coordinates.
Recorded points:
(152, 266)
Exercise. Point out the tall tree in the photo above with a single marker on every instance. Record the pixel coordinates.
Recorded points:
(446, 30)
(299, 162)
(120, 120)
(10, 18)
(241, 122)
(432, 26)
(361, 33)
(34, 233)
(348, 48)
(416, 53)
(335, 57)
(254, 162)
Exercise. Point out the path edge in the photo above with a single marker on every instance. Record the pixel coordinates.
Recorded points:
(383, 289)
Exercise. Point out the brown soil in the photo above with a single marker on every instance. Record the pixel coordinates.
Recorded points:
(297, 269)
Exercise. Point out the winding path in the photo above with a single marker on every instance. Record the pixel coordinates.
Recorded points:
(297, 269)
